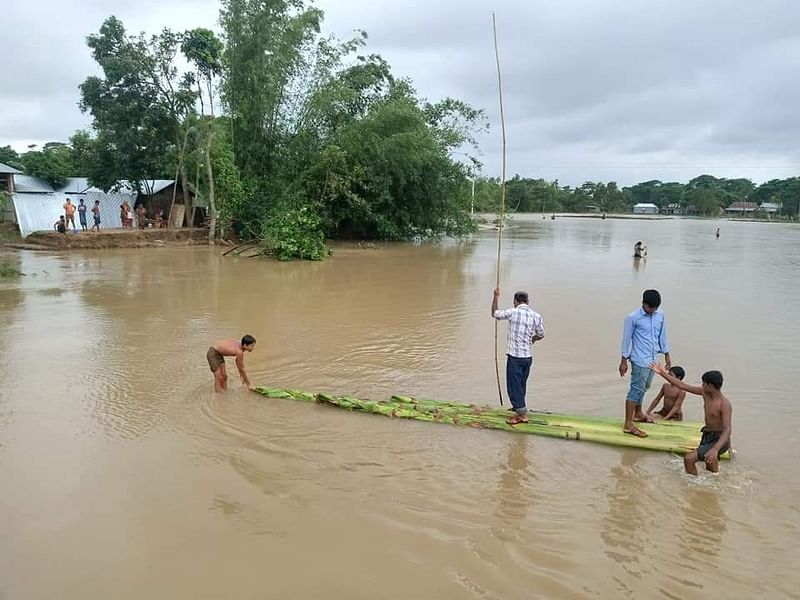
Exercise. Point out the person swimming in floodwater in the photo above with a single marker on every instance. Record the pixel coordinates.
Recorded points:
(216, 360)
(673, 397)
(717, 234)
(718, 411)
(639, 250)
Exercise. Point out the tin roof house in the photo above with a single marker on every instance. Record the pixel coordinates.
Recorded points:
(35, 204)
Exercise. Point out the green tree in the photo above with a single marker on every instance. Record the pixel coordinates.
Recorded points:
(388, 175)
(10, 157)
(228, 186)
(53, 163)
(705, 200)
(203, 49)
(487, 194)
(646, 192)
(785, 192)
(737, 190)
(269, 45)
(138, 106)
(84, 153)
(318, 129)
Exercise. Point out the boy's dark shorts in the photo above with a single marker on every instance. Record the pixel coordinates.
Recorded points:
(707, 442)
(215, 359)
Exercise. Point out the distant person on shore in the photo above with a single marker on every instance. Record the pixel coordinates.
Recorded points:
(525, 328)
(639, 250)
(216, 360)
(96, 214)
(644, 337)
(82, 214)
(717, 234)
(673, 397)
(141, 216)
(69, 213)
(61, 225)
(718, 411)
(126, 215)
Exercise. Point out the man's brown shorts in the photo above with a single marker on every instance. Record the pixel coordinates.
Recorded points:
(215, 359)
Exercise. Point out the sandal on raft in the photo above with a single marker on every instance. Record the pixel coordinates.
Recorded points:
(635, 431)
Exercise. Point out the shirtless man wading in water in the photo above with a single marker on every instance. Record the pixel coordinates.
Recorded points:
(216, 360)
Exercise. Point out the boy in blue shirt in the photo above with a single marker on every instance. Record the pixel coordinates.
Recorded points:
(644, 337)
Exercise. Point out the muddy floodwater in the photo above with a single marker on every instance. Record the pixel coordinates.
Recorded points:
(124, 476)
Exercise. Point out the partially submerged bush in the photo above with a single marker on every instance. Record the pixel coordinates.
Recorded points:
(294, 233)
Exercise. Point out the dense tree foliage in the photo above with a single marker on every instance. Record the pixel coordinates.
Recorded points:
(138, 105)
(704, 195)
(53, 163)
(10, 157)
(319, 128)
(314, 139)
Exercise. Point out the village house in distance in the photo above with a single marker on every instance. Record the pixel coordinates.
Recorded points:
(35, 205)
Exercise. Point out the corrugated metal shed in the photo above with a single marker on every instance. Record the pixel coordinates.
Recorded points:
(31, 185)
(149, 187)
(38, 212)
(77, 185)
(4, 168)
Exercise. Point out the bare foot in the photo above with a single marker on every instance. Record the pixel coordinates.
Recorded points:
(516, 420)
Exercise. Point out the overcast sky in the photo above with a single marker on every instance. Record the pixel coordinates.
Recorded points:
(620, 90)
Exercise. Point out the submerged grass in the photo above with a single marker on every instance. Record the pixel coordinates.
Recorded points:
(8, 271)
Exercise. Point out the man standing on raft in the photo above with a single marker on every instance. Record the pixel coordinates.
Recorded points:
(216, 360)
(644, 336)
(525, 327)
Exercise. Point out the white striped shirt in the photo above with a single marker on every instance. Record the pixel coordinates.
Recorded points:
(523, 323)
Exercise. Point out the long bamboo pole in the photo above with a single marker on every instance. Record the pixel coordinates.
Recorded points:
(502, 199)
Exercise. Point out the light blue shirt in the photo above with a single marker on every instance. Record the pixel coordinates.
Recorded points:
(644, 337)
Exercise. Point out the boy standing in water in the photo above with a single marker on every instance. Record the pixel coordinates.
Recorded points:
(718, 413)
(644, 337)
(216, 360)
(673, 399)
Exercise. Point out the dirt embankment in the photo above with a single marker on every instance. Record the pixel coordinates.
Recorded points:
(111, 238)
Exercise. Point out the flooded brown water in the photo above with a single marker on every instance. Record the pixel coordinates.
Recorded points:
(124, 476)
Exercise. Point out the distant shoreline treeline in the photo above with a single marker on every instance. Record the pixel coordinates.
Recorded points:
(705, 195)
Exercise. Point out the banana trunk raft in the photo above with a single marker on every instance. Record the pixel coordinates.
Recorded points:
(679, 437)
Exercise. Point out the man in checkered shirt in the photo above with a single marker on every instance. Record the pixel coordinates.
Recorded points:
(525, 327)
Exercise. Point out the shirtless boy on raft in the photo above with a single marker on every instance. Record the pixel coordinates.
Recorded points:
(216, 360)
(717, 431)
(673, 400)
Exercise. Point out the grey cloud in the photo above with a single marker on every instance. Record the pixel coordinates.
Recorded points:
(682, 84)
(46, 44)
(623, 91)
